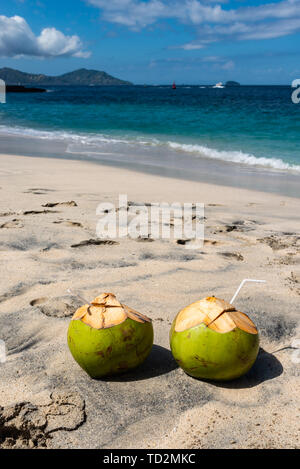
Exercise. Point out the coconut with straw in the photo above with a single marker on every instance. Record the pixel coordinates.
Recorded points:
(211, 339)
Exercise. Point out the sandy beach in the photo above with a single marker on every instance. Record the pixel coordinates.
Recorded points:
(47, 245)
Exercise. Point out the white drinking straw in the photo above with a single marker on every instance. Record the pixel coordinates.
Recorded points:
(242, 284)
(236, 294)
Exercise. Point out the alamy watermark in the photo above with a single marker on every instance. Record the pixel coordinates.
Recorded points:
(2, 92)
(296, 92)
(151, 220)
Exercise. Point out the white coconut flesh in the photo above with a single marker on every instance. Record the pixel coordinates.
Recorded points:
(216, 314)
(106, 311)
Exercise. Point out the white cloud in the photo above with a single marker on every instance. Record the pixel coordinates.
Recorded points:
(211, 21)
(133, 13)
(17, 39)
(192, 46)
(137, 14)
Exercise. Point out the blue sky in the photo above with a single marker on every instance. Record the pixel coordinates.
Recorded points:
(155, 41)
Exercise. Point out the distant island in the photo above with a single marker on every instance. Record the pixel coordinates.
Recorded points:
(82, 77)
(232, 83)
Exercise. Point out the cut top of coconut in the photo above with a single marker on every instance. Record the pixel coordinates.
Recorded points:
(106, 311)
(216, 314)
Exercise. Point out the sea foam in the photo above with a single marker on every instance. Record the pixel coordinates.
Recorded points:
(102, 141)
(233, 156)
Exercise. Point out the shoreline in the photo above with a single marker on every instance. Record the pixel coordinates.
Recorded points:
(184, 167)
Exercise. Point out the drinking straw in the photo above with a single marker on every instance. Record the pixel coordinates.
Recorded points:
(242, 284)
(236, 294)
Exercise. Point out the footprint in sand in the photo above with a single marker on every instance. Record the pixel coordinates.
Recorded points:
(215, 205)
(183, 242)
(12, 224)
(145, 239)
(38, 191)
(277, 242)
(7, 214)
(69, 223)
(247, 223)
(94, 242)
(290, 258)
(224, 229)
(294, 282)
(15, 291)
(237, 225)
(211, 242)
(38, 212)
(26, 425)
(51, 247)
(207, 242)
(232, 255)
(61, 307)
(139, 204)
(72, 203)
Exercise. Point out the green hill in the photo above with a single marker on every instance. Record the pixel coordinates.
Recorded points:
(77, 77)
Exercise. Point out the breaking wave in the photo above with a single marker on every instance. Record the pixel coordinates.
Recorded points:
(233, 156)
(83, 143)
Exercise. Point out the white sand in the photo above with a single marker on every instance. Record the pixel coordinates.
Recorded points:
(158, 405)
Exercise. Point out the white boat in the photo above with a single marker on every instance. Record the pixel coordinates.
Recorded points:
(219, 85)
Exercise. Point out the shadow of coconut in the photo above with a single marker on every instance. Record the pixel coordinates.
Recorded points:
(266, 367)
(159, 362)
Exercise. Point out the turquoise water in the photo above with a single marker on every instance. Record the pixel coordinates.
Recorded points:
(257, 126)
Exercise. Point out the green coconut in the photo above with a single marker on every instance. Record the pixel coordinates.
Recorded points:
(211, 340)
(108, 338)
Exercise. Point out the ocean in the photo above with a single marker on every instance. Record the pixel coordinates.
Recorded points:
(249, 126)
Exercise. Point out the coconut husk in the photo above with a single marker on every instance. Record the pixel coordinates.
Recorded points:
(216, 314)
(106, 311)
